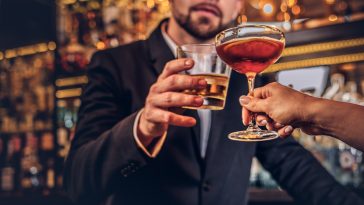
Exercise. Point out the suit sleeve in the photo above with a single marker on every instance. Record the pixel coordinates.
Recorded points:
(301, 175)
(104, 152)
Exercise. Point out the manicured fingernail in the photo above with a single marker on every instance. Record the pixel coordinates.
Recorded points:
(202, 82)
(244, 100)
(263, 122)
(198, 100)
(288, 129)
(188, 62)
(278, 124)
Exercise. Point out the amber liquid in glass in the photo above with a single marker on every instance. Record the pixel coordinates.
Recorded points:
(214, 94)
(250, 55)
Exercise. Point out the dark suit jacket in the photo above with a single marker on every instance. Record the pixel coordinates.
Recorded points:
(106, 166)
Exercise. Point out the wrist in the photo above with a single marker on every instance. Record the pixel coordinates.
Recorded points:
(311, 110)
(144, 137)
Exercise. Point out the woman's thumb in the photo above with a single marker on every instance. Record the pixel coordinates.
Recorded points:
(251, 103)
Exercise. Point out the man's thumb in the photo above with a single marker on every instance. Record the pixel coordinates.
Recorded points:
(251, 103)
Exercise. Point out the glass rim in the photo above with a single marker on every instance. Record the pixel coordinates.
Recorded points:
(197, 45)
(274, 28)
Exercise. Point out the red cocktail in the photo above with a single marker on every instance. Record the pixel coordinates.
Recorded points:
(250, 50)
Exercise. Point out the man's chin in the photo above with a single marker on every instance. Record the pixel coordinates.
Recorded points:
(208, 18)
(201, 27)
(204, 25)
(205, 30)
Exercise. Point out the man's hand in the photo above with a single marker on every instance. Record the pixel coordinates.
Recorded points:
(279, 108)
(166, 95)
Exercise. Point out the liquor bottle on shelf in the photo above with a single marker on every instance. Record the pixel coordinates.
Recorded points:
(2, 158)
(47, 142)
(343, 161)
(8, 177)
(76, 103)
(337, 88)
(362, 93)
(74, 56)
(10, 170)
(4, 84)
(62, 141)
(50, 177)
(350, 162)
(50, 98)
(32, 180)
(351, 93)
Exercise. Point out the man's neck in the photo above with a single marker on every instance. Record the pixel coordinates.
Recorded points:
(181, 36)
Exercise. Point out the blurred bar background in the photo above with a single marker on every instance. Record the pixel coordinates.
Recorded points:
(45, 46)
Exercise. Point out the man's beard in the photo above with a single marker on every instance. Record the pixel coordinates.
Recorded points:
(192, 27)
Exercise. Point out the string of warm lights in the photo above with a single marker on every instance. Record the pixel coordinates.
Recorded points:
(68, 93)
(28, 50)
(63, 82)
(320, 47)
(331, 60)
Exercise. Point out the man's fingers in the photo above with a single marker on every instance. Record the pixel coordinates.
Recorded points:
(157, 115)
(176, 66)
(173, 99)
(179, 82)
(285, 131)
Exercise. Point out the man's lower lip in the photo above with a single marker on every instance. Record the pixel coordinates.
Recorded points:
(206, 12)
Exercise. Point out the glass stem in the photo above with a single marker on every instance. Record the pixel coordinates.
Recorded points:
(252, 124)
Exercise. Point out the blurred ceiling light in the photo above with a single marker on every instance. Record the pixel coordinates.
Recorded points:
(100, 45)
(164, 6)
(1, 55)
(10, 53)
(242, 19)
(150, 4)
(348, 67)
(68, 1)
(51, 46)
(291, 3)
(286, 17)
(342, 6)
(296, 10)
(280, 16)
(283, 7)
(94, 5)
(42, 47)
(332, 17)
(287, 26)
(268, 9)
(330, 1)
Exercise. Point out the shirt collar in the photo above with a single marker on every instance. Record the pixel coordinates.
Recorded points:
(171, 44)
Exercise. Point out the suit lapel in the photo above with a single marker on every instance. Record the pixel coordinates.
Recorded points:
(158, 50)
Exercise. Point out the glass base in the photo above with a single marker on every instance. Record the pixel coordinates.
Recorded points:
(253, 135)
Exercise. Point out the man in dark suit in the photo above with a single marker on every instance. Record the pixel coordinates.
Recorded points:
(132, 146)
